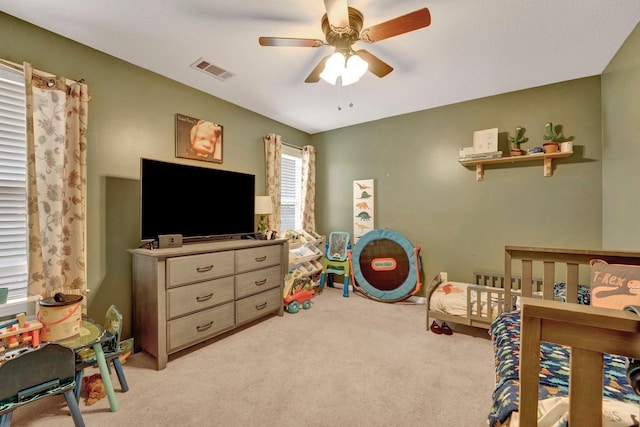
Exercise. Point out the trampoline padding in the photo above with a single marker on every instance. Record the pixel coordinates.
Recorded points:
(383, 263)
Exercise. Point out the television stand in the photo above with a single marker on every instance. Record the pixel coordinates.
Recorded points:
(187, 295)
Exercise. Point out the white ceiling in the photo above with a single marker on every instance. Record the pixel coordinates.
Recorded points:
(472, 49)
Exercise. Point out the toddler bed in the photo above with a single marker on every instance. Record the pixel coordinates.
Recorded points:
(540, 349)
(471, 304)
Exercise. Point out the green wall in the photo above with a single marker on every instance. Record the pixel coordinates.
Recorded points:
(462, 224)
(621, 147)
(131, 115)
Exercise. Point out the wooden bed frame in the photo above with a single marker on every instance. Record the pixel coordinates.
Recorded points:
(589, 331)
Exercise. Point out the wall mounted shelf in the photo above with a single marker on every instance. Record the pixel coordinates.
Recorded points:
(546, 158)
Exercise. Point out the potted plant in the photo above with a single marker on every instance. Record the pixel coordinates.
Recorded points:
(553, 137)
(516, 140)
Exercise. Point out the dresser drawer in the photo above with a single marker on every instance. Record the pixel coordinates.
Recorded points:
(258, 281)
(199, 296)
(199, 326)
(195, 268)
(254, 258)
(253, 307)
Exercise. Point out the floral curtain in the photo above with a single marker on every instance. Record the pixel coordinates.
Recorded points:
(56, 187)
(273, 153)
(308, 187)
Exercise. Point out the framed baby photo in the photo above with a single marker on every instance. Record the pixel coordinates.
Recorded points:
(198, 139)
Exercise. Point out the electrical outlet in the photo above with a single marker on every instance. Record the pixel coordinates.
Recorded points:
(443, 277)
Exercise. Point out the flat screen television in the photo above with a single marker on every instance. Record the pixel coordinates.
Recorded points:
(197, 202)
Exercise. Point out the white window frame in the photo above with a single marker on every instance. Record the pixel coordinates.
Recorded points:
(13, 191)
(295, 154)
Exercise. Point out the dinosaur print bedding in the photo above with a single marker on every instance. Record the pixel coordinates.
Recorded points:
(554, 371)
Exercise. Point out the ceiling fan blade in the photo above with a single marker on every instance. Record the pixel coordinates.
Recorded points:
(294, 42)
(337, 12)
(403, 24)
(314, 77)
(376, 65)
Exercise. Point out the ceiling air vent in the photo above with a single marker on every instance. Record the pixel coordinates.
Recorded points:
(212, 70)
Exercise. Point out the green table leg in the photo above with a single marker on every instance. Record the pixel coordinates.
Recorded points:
(106, 378)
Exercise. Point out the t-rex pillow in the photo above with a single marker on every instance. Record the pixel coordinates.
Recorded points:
(614, 285)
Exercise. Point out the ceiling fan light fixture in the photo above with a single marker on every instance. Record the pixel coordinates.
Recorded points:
(349, 71)
(356, 68)
(333, 68)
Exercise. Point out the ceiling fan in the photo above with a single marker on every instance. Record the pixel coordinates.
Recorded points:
(342, 26)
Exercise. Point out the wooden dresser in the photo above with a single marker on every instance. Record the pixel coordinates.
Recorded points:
(183, 296)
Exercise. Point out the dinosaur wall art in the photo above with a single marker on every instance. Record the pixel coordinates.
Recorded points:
(363, 205)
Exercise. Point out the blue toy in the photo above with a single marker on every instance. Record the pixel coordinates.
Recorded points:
(385, 266)
(336, 259)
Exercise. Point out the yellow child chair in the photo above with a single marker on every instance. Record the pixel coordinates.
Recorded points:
(336, 260)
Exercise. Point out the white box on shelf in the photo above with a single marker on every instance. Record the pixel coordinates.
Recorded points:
(485, 141)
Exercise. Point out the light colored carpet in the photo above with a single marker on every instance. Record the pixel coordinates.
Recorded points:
(345, 362)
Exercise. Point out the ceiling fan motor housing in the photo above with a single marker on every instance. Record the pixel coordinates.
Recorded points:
(343, 38)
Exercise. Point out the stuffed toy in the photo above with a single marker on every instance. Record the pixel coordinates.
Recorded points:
(94, 388)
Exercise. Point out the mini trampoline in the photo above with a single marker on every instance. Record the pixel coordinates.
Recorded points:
(385, 266)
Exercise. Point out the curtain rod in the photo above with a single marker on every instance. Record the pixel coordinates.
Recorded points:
(11, 65)
(292, 146)
(40, 74)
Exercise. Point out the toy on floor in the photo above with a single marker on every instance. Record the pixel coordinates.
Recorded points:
(293, 302)
(94, 388)
(301, 294)
(385, 266)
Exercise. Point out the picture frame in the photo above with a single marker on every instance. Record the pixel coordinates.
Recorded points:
(198, 139)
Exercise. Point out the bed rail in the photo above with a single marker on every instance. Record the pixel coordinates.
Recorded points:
(590, 332)
(497, 280)
(483, 297)
(550, 259)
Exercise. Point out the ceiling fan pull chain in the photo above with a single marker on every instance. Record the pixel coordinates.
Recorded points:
(339, 85)
(351, 96)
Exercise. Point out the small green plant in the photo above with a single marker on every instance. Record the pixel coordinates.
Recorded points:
(518, 138)
(554, 134)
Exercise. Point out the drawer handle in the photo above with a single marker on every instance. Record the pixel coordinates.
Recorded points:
(261, 306)
(260, 259)
(204, 298)
(204, 269)
(261, 282)
(204, 327)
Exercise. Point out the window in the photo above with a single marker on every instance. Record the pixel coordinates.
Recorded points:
(13, 192)
(291, 188)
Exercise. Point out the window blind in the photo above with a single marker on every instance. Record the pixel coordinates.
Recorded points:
(290, 192)
(13, 193)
